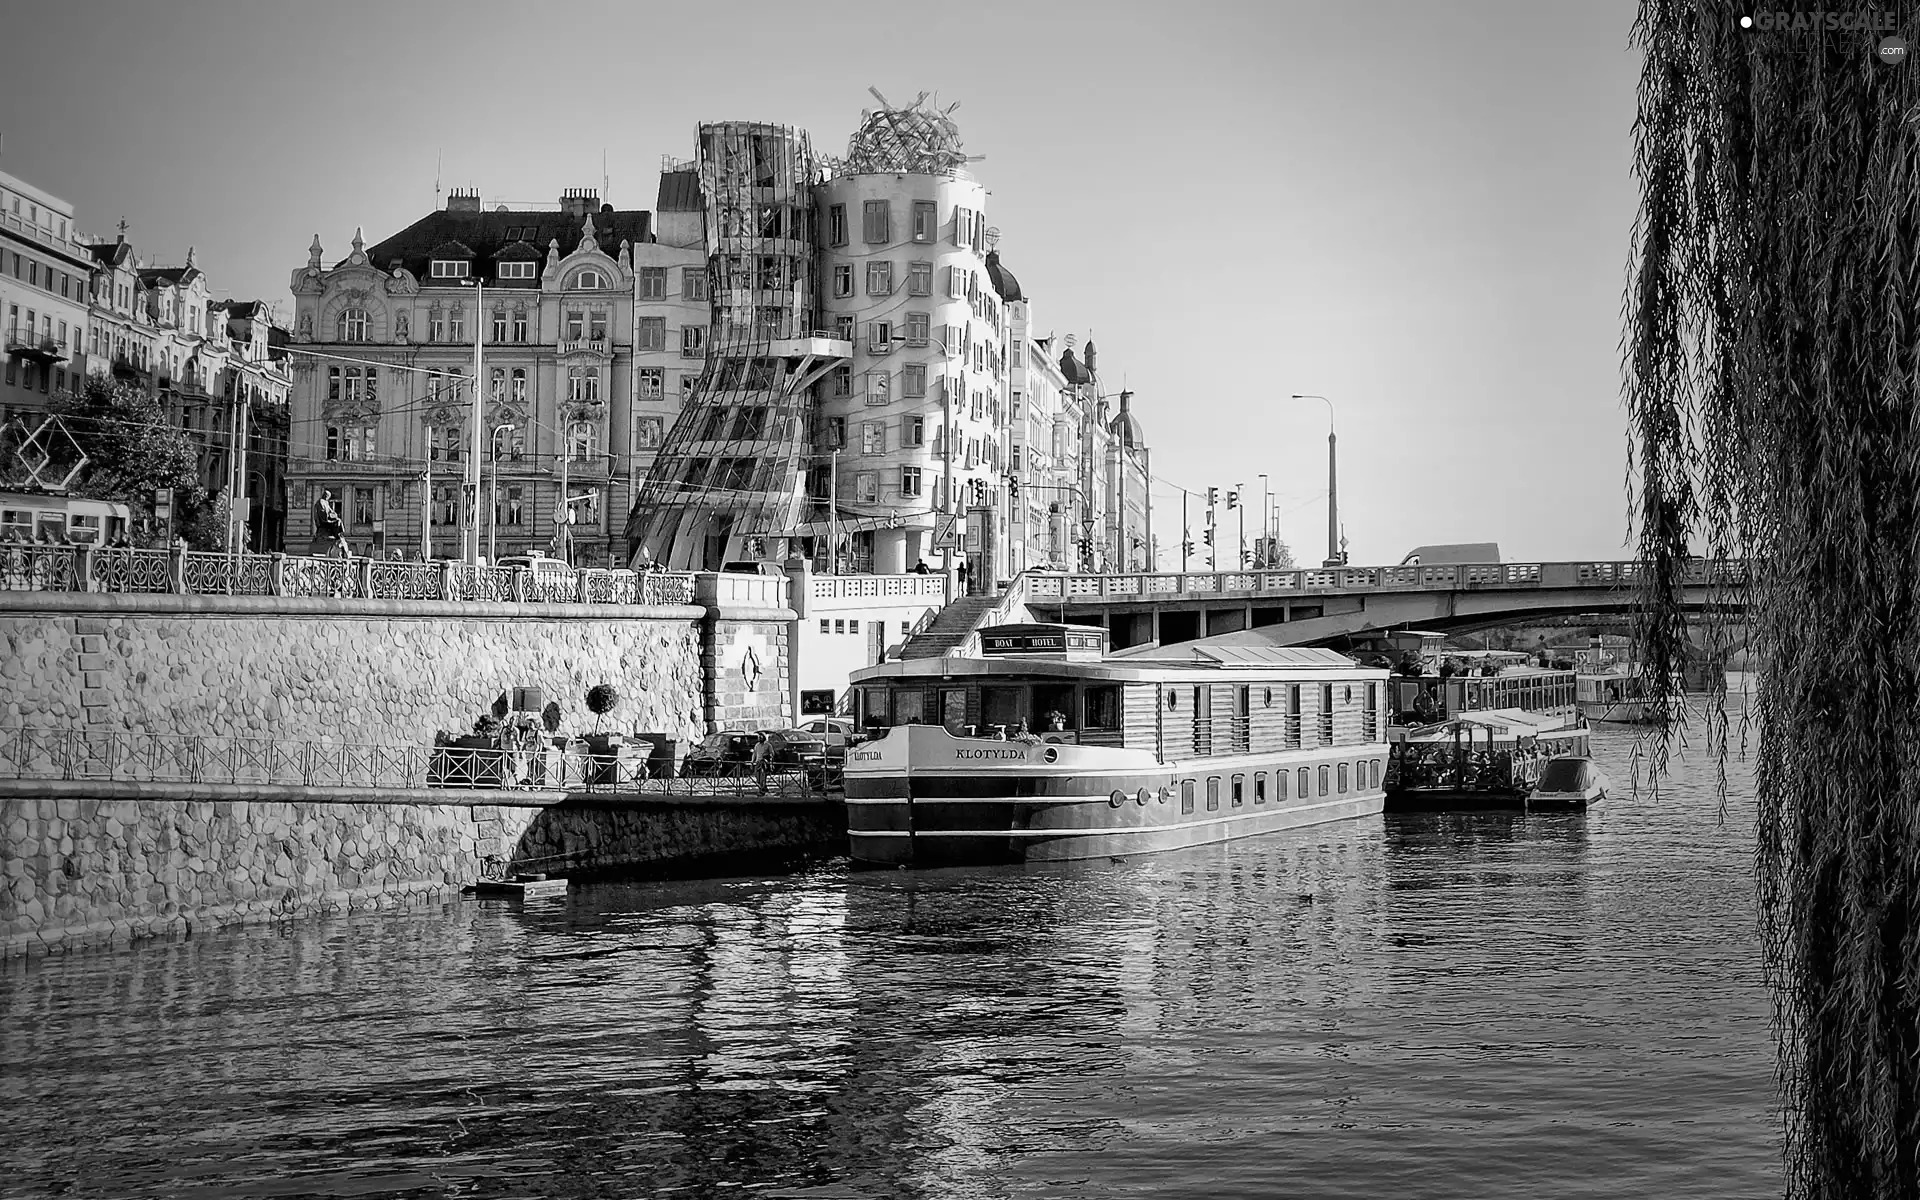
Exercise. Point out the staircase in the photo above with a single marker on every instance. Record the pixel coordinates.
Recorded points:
(955, 624)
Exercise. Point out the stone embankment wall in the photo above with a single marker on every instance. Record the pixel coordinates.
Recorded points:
(80, 870)
(84, 871)
(248, 667)
(88, 862)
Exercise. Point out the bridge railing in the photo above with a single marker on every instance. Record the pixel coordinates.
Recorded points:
(1341, 580)
(43, 568)
(125, 756)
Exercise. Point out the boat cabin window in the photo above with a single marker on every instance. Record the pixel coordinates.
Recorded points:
(953, 709)
(1053, 708)
(1324, 772)
(1343, 779)
(1003, 707)
(1186, 795)
(1239, 790)
(908, 707)
(1279, 785)
(1213, 792)
(1103, 707)
(1305, 788)
(1259, 787)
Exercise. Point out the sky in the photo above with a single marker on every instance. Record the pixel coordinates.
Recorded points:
(1419, 210)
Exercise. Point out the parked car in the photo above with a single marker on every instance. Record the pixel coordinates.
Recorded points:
(837, 734)
(729, 754)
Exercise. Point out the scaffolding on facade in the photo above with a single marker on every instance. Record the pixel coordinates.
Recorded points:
(728, 481)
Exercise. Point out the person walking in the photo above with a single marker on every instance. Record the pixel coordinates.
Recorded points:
(762, 751)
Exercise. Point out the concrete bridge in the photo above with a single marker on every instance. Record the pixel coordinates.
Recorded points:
(1311, 606)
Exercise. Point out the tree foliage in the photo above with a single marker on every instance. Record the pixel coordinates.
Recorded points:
(132, 450)
(1770, 357)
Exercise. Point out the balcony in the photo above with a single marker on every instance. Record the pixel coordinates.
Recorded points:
(586, 345)
(21, 344)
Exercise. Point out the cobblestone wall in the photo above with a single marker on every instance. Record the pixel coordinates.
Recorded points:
(82, 871)
(385, 680)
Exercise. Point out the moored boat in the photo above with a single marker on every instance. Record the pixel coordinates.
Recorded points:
(1045, 749)
(1568, 781)
(1478, 740)
(1620, 696)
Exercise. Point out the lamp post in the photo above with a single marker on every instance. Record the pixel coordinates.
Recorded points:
(493, 488)
(1261, 557)
(470, 534)
(1334, 557)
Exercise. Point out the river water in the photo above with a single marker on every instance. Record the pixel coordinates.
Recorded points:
(1485, 1005)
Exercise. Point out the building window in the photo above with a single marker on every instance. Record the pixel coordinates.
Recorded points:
(519, 385)
(880, 337)
(836, 433)
(589, 280)
(516, 270)
(576, 326)
(652, 383)
(879, 279)
(913, 379)
(913, 431)
(873, 438)
(866, 487)
(583, 384)
(843, 324)
(353, 325)
(1017, 357)
(449, 269)
(910, 481)
(597, 326)
(499, 333)
(916, 329)
(580, 442)
(875, 223)
(956, 283)
(693, 341)
(497, 385)
(653, 283)
(510, 509)
(457, 325)
(837, 225)
(842, 280)
(445, 509)
(926, 220)
(693, 283)
(842, 380)
(920, 279)
(350, 443)
(879, 387)
(520, 326)
(652, 335)
(362, 507)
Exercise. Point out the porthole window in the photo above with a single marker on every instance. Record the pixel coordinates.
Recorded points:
(1119, 797)
(1347, 696)
(1173, 701)
(1269, 697)
(1141, 797)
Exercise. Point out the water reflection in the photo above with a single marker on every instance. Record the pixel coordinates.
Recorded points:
(1561, 1004)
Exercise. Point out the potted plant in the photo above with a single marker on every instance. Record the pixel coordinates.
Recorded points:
(603, 747)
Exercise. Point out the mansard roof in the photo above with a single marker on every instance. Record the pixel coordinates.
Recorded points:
(680, 192)
(488, 236)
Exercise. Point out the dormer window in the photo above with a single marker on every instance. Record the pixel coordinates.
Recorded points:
(450, 268)
(590, 280)
(353, 325)
(516, 270)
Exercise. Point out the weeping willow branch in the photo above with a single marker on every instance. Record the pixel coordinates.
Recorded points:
(1770, 357)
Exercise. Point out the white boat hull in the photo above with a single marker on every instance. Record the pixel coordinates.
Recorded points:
(920, 796)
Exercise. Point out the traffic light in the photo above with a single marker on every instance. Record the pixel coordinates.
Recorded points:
(1233, 500)
(1186, 548)
(1013, 489)
(1209, 536)
(1213, 496)
(1244, 556)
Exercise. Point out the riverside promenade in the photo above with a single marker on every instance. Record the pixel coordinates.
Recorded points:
(180, 756)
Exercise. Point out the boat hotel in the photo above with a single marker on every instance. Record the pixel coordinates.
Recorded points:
(1045, 748)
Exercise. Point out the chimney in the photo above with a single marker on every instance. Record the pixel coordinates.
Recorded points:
(465, 201)
(578, 202)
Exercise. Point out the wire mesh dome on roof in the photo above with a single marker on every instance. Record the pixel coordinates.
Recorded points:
(916, 139)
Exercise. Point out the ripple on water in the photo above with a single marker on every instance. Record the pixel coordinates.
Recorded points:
(1484, 1005)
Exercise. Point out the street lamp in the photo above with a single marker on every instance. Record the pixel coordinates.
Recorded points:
(1261, 557)
(493, 488)
(470, 534)
(1334, 557)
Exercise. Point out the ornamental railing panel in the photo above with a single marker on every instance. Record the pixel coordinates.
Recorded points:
(132, 571)
(38, 568)
(404, 580)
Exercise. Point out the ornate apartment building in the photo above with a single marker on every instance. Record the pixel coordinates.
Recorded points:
(384, 354)
(45, 269)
